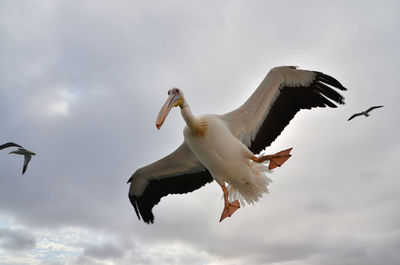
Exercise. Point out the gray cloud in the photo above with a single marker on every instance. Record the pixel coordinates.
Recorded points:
(16, 239)
(104, 251)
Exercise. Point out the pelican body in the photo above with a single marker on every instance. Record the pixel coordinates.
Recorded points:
(224, 147)
(227, 158)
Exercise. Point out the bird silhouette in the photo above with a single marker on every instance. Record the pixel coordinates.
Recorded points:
(365, 113)
(27, 156)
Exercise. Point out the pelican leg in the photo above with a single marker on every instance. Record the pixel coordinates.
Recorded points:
(230, 207)
(275, 160)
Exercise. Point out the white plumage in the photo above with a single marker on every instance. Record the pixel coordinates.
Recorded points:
(228, 160)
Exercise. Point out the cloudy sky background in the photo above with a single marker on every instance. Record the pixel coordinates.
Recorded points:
(81, 83)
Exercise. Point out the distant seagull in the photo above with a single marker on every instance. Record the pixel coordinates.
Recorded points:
(27, 156)
(365, 113)
(9, 144)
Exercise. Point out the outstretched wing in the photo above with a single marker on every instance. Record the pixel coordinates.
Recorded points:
(284, 91)
(27, 158)
(355, 115)
(9, 144)
(372, 108)
(180, 172)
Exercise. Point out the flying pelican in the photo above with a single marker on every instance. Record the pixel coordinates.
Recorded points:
(365, 113)
(9, 144)
(223, 147)
(27, 156)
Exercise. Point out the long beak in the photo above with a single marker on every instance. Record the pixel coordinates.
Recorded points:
(165, 109)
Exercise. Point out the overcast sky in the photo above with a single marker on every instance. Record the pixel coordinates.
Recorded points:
(81, 83)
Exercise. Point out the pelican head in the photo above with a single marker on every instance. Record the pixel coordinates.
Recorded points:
(175, 98)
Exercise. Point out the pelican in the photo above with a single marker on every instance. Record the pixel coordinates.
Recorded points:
(224, 147)
(365, 113)
(27, 156)
(9, 144)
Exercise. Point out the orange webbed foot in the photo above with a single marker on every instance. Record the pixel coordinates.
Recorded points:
(277, 160)
(229, 209)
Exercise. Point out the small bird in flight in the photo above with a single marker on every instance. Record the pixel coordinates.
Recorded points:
(365, 113)
(9, 144)
(27, 156)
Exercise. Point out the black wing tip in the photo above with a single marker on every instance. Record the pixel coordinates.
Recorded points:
(329, 80)
(133, 199)
(327, 83)
(149, 221)
(341, 101)
(145, 213)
